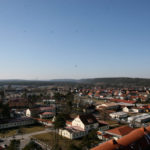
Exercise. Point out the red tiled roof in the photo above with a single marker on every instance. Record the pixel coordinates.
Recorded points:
(137, 139)
(46, 113)
(123, 101)
(123, 130)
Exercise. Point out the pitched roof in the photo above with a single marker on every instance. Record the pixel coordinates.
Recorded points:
(139, 139)
(88, 119)
(124, 101)
(121, 131)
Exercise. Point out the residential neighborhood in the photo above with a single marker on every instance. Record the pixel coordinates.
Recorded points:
(76, 113)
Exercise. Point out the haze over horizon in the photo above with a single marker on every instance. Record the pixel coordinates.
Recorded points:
(66, 39)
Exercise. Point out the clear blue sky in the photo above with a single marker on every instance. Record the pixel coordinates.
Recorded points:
(50, 39)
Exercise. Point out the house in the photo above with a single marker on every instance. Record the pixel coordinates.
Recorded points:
(45, 122)
(103, 126)
(138, 139)
(72, 132)
(46, 115)
(123, 101)
(114, 133)
(119, 131)
(127, 109)
(118, 115)
(11, 123)
(137, 109)
(85, 122)
(139, 118)
(34, 112)
(18, 102)
(103, 136)
(113, 106)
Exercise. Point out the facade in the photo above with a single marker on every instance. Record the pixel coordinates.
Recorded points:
(28, 113)
(46, 115)
(85, 122)
(115, 133)
(112, 106)
(48, 123)
(72, 132)
(79, 127)
(34, 112)
(16, 123)
(139, 118)
(118, 115)
(126, 109)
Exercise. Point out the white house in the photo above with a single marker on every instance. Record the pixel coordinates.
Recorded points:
(139, 118)
(85, 122)
(118, 115)
(28, 113)
(72, 132)
(126, 109)
(137, 110)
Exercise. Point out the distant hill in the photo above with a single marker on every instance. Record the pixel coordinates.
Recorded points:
(121, 81)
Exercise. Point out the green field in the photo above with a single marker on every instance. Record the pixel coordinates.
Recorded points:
(49, 139)
(23, 130)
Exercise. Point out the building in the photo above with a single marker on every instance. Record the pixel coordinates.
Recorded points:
(18, 102)
(118, 115)
(112, 106)
(138, 139)
(34, 112)
(45, 122)
(85, 122)
(72, 132)
(46, 115)
(79, 126)
(119, 131)
(139, 118)
(11, 123)
(127, 109)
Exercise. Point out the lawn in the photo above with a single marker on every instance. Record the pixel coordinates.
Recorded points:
(49, 139)
(7, 133)
(23, 130)
(32, 129)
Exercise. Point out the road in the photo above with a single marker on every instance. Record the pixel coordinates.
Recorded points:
(24, 139)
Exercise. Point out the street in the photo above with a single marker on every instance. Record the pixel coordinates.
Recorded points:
(24, 138)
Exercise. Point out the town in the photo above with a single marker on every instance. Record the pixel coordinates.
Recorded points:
(71, 117)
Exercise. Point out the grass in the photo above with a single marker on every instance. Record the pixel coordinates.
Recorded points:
(23, 130)
(7, 133)
(32, 129)
(49, 139)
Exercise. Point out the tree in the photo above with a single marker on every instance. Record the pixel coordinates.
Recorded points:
(32, 146)
(73, 147)
(60, 121)
(69, 102)
(5, 111)
(32, 99)
(56, 147)
(2, 93)
(58, 96)
(90, 140)
(14, 145)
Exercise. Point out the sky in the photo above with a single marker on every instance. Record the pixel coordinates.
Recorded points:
(63, 39)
